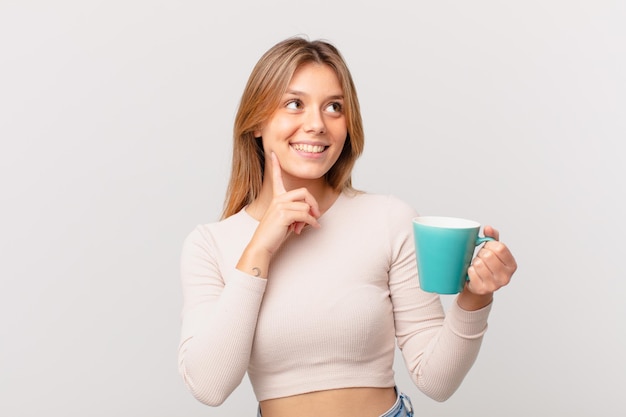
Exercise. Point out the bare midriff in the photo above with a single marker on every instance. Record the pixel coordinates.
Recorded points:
(346, 402)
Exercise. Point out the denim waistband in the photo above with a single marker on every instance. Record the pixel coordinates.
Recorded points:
(401, 408)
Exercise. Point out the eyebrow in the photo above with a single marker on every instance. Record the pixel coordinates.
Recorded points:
(301, 93)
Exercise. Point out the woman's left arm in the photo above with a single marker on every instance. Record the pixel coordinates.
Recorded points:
(439, 349)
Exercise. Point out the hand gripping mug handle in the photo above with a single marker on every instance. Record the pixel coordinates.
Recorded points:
(480, 240)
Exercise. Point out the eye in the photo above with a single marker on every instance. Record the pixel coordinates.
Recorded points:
(334, 107)
(294, 104)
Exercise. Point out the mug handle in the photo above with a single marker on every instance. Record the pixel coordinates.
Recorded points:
(483, 239)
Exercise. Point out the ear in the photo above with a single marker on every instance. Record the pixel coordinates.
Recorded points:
(257, 134)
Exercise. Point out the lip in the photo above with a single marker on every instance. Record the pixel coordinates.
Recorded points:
(312, 143)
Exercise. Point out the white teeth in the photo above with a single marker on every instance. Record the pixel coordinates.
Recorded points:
(308, 148)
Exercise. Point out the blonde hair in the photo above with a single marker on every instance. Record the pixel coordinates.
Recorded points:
(261, 97)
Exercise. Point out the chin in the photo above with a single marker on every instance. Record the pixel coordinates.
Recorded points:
(307, 175)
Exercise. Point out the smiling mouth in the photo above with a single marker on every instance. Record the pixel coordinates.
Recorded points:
(308, 148)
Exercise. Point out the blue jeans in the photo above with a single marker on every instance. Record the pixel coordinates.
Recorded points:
(401, 408)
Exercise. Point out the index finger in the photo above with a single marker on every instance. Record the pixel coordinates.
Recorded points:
(491, 232)
(277, 178)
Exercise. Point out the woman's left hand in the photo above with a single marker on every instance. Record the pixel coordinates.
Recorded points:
(491, 269)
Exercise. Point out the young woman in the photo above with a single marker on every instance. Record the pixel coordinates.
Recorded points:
(307, 284)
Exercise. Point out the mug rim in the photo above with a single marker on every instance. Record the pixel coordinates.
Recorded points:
(446, 222)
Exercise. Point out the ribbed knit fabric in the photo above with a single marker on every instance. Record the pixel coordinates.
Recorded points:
(335, 302)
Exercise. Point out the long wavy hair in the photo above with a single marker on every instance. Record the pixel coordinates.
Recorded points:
(261, 97)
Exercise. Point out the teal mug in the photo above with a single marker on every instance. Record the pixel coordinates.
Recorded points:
(444, 248)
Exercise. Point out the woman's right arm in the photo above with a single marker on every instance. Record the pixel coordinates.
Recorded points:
(221, 307)
(218, 321)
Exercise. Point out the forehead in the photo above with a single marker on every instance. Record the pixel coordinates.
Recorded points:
(315, 77)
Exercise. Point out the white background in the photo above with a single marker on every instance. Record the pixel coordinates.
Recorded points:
(115, 128)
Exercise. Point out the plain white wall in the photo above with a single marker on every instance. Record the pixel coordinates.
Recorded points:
(115, 128)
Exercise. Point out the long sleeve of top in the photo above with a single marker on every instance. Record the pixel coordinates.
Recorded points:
(336, 301)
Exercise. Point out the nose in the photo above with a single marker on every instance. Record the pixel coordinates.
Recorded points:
(314, 122)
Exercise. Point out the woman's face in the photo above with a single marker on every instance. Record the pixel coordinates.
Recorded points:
(308, 130)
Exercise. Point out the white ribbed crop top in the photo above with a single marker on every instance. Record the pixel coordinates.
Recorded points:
(328, 316)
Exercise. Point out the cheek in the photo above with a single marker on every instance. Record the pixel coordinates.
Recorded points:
(284, 127)
(338, 128)
(339, 145)
(340, 133)
(277, 129)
